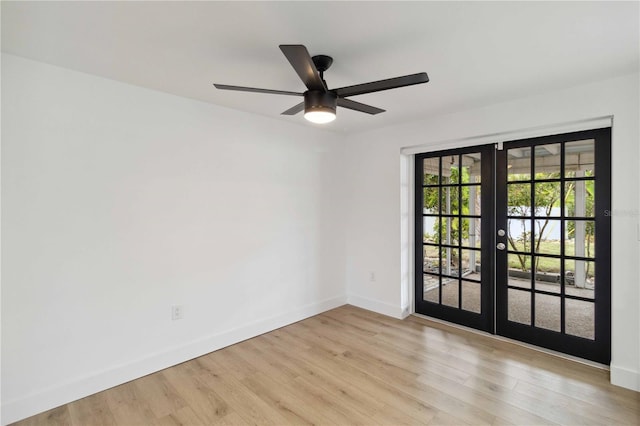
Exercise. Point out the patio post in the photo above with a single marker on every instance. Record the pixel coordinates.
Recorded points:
(580, 228)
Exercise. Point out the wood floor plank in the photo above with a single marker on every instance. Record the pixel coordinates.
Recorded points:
(377, 388)
(411, 386)
(204, 400)
(393, 364)
(182, 416)
(58, 416)
(349, 366)
(92, 410)
(389, 415)
(285, 400)
(445, 419)
(417, 360)
(452, 362)
(489, 397)
(325, 378)
(246, 403)
(344, 395)
(253, 353)
(159, 394)
(592, 413)
(127, 407)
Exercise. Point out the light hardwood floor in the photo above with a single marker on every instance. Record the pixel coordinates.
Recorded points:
(351, 366)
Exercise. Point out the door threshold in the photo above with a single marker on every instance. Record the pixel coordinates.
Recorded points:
(515, 342)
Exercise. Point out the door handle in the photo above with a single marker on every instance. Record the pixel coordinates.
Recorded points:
(501, 246)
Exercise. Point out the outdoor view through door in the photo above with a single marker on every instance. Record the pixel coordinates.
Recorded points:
(528, 224)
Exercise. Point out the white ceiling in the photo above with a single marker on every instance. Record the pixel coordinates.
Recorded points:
(476, 53)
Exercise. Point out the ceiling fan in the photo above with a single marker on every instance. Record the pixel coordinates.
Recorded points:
(320, 102)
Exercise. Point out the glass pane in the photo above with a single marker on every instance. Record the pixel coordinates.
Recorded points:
(520, 235)
(449, 234)
(547, 236)
(579, 198)
(450, 201)
(579, 158)
(449, 261)
(471, 232)
(430, 229)
(519, 199)
(430, 286)
(431, 168)
(548, 274)
(471, 201)
(519, 164)
(471, 296)
(456, 231)
(519, 270)
(579, 318)
(471, 264)
(430, 196)
(471, 170)
(519, 306)
(547, 199)
(430, 259)
(547, 161)
(450, 169)
(450, 291)
(580, 278)
(547, 312)
(580, 238)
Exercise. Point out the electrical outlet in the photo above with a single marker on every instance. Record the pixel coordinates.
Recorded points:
(177, 312)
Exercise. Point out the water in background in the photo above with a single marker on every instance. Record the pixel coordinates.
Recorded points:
(516, 226)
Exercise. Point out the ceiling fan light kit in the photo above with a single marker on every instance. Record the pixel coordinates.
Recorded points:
(320, 107)
(320, 103)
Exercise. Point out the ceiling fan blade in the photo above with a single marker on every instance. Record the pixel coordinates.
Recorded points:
(256, 90)
(376, 86)
(357, 106)
(294, 110)
(301, 61)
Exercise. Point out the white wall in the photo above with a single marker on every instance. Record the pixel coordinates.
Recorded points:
(375, 242)
(120, 201)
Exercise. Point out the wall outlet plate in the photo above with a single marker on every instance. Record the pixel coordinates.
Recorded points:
(177, 312)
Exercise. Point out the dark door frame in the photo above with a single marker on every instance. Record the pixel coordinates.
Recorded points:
(493, 318)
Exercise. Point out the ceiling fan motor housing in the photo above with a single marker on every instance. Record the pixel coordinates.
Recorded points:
(315, 100)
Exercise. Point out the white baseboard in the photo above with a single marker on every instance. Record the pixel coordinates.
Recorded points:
(377, 306)
(46, 399)
(625, 378)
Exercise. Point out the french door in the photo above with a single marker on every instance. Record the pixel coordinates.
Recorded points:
(512, 241)
(454, 235)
